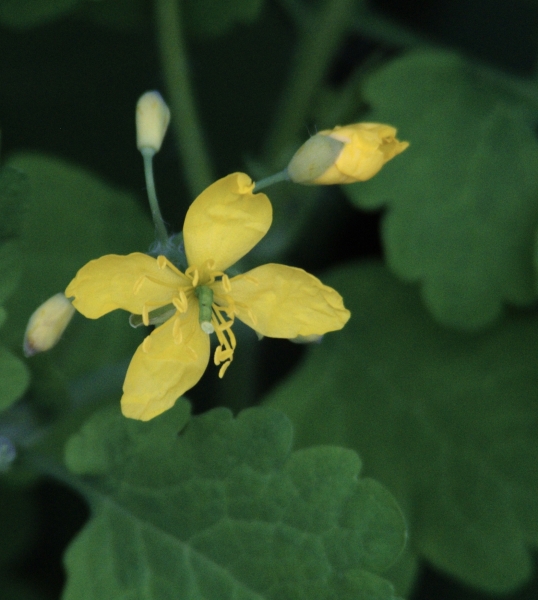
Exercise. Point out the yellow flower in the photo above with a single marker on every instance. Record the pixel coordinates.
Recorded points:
(345, 154)
(224, 223)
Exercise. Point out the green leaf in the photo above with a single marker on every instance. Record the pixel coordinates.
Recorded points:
(17, 521)
(209, 18)
(74, 217)
(14, 192)
(13, 202)
(225, 510)
(14, 378)
(29, 13)
(123, 15)
(446, 420)
(462, 200)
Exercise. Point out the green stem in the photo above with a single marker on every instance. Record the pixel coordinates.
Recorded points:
(318, 41)
(271, 180)
(185, 121)
(160, 227)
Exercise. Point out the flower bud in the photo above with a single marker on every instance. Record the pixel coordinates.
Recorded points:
(47, 324)
(345, 154)
(152, 119)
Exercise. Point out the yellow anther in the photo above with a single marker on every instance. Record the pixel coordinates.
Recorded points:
(162, 263)
(145, 315)
(223, 368)
(180, 302)
(222, 355)
(226, 283)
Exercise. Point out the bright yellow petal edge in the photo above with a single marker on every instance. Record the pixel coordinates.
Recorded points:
(126, 282)
(285, 302)
(161, 370)
(225, 222)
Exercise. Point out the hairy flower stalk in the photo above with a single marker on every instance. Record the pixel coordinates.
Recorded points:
(224, 223)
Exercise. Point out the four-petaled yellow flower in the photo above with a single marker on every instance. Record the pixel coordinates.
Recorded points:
(224, 223)
(345, 154)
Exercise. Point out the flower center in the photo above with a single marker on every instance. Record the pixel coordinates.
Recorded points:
(216, 310)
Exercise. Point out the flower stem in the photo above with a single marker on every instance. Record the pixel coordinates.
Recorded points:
(318, 41)
(271, 180)
(160, 227)
(185, 121)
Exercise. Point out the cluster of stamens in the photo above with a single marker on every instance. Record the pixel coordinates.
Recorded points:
(216, 311)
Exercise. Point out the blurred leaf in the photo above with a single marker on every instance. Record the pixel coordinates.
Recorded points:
(463, 199)
(124, 15)
(72, 218)
(14, 192)
(209, 18)
(447, 421)
(13, 202)
(29, 13)
(17, 521)
(14, 378)
(373, 25)
(225, 510)
(10, 268)
(14, 589)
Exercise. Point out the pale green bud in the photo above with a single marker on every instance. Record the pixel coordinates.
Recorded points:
(313, 158)
(152, 119)
(47, 324)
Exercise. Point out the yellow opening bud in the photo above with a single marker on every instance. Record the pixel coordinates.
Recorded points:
(152, 119)
(47, 324)
(362, 151)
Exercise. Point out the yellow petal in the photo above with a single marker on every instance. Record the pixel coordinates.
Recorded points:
(126, 282)
(162, 370)
(368, 146)
(285, 302)
(225, 222)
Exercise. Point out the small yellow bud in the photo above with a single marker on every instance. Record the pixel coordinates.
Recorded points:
(152, 119)
(47, 324)
(354, 153)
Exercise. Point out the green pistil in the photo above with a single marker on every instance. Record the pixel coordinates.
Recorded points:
(205, 302)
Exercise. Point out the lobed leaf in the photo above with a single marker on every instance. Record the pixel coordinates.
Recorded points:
(446, 420)
(225, 510)
(14, 378)
(461, 202)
